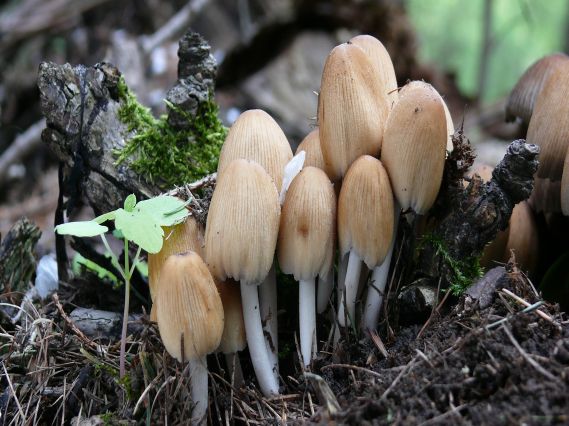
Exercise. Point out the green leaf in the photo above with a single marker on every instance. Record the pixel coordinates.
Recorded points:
(105, 217)
(140, 228)
(88, 228)
(130, 202)
(165, 209)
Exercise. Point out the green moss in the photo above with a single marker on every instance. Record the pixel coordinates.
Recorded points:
(463, 271)
(167, 156)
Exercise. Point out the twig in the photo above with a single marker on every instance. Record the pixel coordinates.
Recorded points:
(407, 368)
(74, 328)
(503, 320)
(524, 354)
(436, 419)
(176, 24)
(434, 311)
(13, 392)
(353, 367)
(23, 144)
(526, 304)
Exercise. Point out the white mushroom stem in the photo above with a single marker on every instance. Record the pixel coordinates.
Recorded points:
(378, 283)
(324, 291)
(342, 269)
(255, 340)
(307, 318)
(199, 378)
(234, 369)
(350, 290)
(268, 300)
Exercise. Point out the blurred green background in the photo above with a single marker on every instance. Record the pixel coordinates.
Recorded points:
(451, 36)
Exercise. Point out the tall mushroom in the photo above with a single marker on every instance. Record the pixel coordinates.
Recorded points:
(365, 224)
(352, 109)
(240, 240)
(311, 145)
(413, 153)
(306, 243)
(190, 320)
(256, 136)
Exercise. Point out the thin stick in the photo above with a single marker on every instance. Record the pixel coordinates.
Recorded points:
(407, 368)
(353, 367)
(437, 419)
(526, 304)
(13, 392)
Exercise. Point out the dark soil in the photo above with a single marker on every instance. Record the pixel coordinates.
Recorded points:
(463, 370)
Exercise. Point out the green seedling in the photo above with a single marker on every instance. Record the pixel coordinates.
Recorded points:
(140, 223)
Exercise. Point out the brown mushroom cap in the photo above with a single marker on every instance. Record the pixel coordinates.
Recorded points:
(189, 308)
(242, 223)
(522, 99)
(308, 221)
(414, 146)
(381, 60)
(233, 338)
(256, 136)
(549, 126)
(187, 236)
(311, 145)
(366, 211)
(352, 109)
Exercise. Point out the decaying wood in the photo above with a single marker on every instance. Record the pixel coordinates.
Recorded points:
(97, 324)
(17, 261)
(475, 215)
(81, 106)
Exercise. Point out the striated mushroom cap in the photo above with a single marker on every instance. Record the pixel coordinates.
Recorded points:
(187, 236)
(256, 136)
(189, 308)
(311, 145)
(523, 96)
(242, 223)
(352, 109)
(549, 124)
(233, 338)
(377, 53)
(366, 211)
(414, 147)
(308, 222)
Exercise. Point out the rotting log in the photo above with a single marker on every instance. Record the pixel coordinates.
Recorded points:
(474, 215)
(85, 131)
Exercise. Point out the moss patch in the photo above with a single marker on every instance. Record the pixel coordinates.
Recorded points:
(463, 272)
(166, 156)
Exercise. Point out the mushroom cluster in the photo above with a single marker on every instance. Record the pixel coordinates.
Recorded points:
(377, 150)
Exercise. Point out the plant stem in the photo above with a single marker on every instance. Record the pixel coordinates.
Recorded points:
(199, 379)
(268, 305)
(127, 276)
(324, 291)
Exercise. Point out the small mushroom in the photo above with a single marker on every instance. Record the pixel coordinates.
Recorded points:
(352, 109)
(414, 146)
(256, 136)
(187, 236)
(381, 60)
(306, 244)
(240, 239)
(190, 320)
(365, 224)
